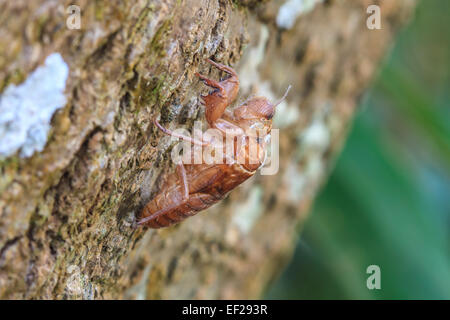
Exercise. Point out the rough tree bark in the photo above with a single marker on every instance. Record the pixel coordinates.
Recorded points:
(68, 212)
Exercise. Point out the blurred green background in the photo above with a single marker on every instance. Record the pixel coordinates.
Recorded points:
(387, 200)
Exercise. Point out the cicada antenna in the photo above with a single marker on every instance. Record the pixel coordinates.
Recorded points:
(284, 96)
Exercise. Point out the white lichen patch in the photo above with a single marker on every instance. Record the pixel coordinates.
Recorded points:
(291, 10)
(297, 183)
(249, 75)
(139, 290)
(314, 141)
(78, 284)
(316, 136)
(248, 212)
(26, 109)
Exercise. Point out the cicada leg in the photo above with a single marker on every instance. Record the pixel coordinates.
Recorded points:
(224, 94)
(181, 136)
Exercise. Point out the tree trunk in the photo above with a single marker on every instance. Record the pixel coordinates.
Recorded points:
(68, 210)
